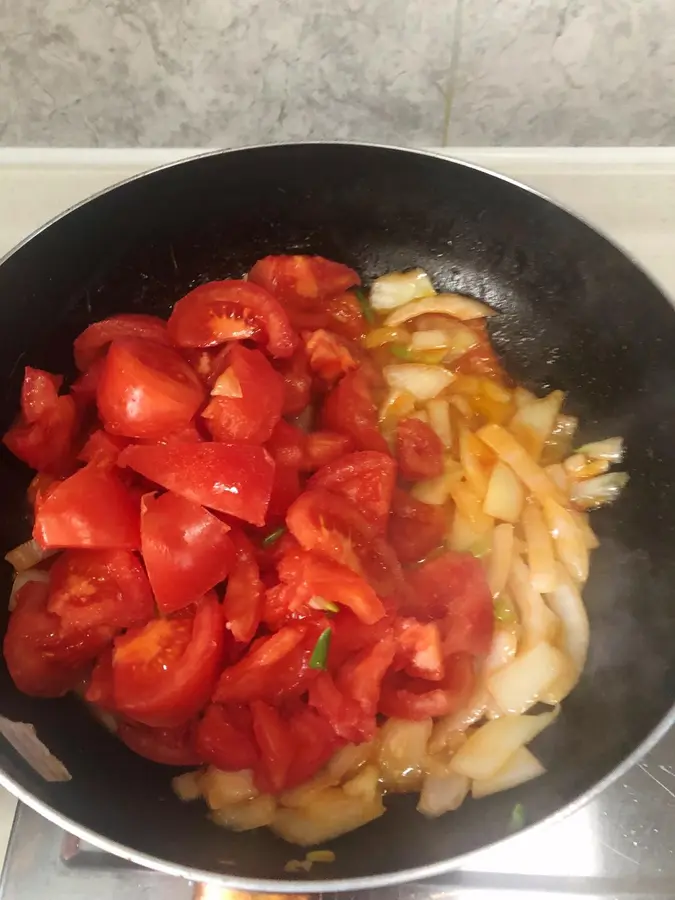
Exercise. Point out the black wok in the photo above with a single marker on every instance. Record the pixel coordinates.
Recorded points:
(575, 314)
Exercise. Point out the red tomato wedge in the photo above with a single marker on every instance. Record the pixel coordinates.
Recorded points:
(329, 356)
(187, 550)
(418, 449)
(275, 741)
(96, 338)
(88, 588)
(346, 717)
(415, 528)
(232, 478)
(314, 743)
(225, 738)
(416, 698)
(164, 672)
(91, 509)
(323, 447)
(147, 390)
(168, 746)
(419, 649)
(303, 280)
(256, 675)
(366, 478)
(297, 381)
(349, 409)
(285, 490)
(39, 393)
(453, 587)
(44, 658)
(246, 399)
(360, 677)
(242, 606)
(102, 448)
(231, 310)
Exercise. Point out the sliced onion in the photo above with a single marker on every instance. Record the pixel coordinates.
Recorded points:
(559, 477)
(365, 784)
(538, 622)
(379, 337)
(470, 452)
(492, 745)
(27, 555)
(540, 557)
(441, 794)
(573, 464)
(331, 814)
(470, 506)
(505, 495)
(397, 405)
(246, 816)
(499, 564)
(456, 305)
(516, 456)
(225, 788)
(423, 382)
(599, 491)
(588, 535)
(434, 491)
(467, 537)
(559, 444)
(610, 449)
(502, 650)
(519, 685)
(566, 602)
(569, 541)
(429, 340)
(533, 423)
(402, 752)
(23, 578)
(522, 767)
(227, 385)
(521, 397)
(439, 419)
(398, 288)
(186, 786)
(446, 728)
(591, 469)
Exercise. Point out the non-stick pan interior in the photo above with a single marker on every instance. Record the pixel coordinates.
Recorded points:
(574, 314)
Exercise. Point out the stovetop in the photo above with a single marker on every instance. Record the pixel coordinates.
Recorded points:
(620, 845)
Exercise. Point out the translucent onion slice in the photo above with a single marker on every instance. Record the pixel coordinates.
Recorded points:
(519, 685)
(540, 556)
(433, 339)
(27, 555)
(610, 449)
(522, 767)
(439, 419)
(435, 491)
(402, 752)
(567, 603)
(559, 477)
(538, 622)
(503, 649)
(446, 728)
(398, 288)
(589, 537)
(379, 337)
(505, 495)
(559, 444)
(599, 491)
(423, 382)
(456, 305)
(499, 563)
(533, 423)
(226, 788)
(569, 540)
(441, 794)
(516, 456)
(470, 506)
(186, 786)
(470, 453)
(331, 814)
(492, 745)
(246, 816)
(23, 578)
(227, 385)
(521, 397)
(467, 537)
(398, 404)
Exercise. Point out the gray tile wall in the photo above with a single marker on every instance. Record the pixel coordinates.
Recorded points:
(228, 72)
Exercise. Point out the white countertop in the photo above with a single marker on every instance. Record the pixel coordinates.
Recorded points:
(627, 193)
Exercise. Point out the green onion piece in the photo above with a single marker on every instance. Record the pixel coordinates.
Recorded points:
(364, 303)
(319, 657)
(273, 537)
(504, 613)
(517, 817)
(325, 605)
(400, 351)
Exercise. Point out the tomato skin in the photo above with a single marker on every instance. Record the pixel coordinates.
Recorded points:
(221, 311)
(100, 688)
(102, 448)
(225, 739)
(88, 588)
(349, 409)
(343, 713)
(361, 676)
(301, 281)
(89, 345)
(164, 672)
(146, 390)
(287, 445)
(285, 490)
(167, 746)
(252, 416)
(45, 659)
(232, 478)
(414, 698)
(418, 449)
(242, 606)
(91, 509)
(346, 318)
(323, 447)
(314, 743)
(365, 478)
(419, 649)
(39, 393)
(253, 676)
(275, 742)
(297, 382)
(453, 588)
(328, 355)
(83, 389)
(415, 528)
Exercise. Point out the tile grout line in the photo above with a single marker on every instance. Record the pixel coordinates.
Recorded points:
(450, 84)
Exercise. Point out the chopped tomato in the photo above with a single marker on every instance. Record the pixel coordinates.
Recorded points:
(415, 698)
(292, 447)
(344, 714)
(360, 677)
(242, 606)
(247, 399)
(231, 310)
(480, 359)
(453, 588)
(102, 448)
(349, 409)
(275, 742)
(39, 393)
(83, 389)
(419, 649)
(287, 445)
(88, 588)
(366, 478)
(164, 672)
(314, 743)
(44, 658)
(91, 509)
(96, 338)
(285, 490)
(225, 738)
(346, 317)
(253, 676)
(233, 478)
(147, 390)
(328, 355)
(301, 281)
(418, 449)
(323, 447)
(100, 688)
(170, 746)
(415, 528)
(187, 550)
(297, 381)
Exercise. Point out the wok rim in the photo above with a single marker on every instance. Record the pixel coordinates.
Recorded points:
(368, 882)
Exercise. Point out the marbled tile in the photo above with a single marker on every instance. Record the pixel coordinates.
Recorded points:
(222, 72)
(552, 72)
